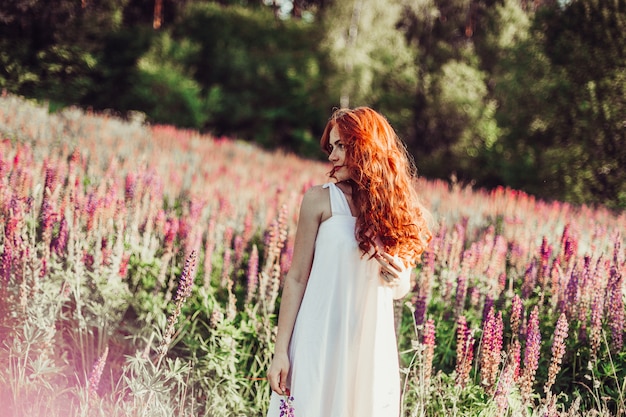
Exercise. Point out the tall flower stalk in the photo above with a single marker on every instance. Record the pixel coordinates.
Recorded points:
(185, 286)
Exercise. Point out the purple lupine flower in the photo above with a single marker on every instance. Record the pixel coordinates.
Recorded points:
(420, 309)
(615, 308)
(185, 284)
(93, 204)
(461, 290)
(428, 340)
(487, 308)
(286, 406)
(96, 373)
(530, 279)
(531, 353)
(570, 301)
(558, 350)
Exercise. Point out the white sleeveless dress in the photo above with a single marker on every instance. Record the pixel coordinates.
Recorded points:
(343, 350)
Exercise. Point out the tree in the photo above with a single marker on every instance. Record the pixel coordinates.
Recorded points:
(561, 89)
(453, 116)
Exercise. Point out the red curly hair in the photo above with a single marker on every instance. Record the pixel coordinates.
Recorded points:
(382, 178)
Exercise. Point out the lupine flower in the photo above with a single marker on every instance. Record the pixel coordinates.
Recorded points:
(516, 314)
(428, 340)
(9, 251)
(503, 390)
(253, 274)
(238, 244)
(595, 330)
(461, 291)
(184, 291)
(96, 373)
(558, 350)
(615, 308)
(464, 351)
(570, 302)
(130, 186)
(286, 406)
(530, 279)
(531, 354)
(420, 309)
(515, 358)
(487, 308)
(491, 349)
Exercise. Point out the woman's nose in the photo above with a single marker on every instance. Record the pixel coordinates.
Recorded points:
(332, 156)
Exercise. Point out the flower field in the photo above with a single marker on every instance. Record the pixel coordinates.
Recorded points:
(140, 270)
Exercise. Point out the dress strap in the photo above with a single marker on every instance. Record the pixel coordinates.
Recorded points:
(338, 202)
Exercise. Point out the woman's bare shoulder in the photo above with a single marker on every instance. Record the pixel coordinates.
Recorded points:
(316, 202)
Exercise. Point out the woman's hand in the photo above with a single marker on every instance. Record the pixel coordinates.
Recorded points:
(391, 267)
(277, 374)
(394, 272)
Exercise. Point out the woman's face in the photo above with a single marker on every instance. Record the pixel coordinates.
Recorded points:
(338, 155)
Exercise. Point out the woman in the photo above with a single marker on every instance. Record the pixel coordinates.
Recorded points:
(357, 241)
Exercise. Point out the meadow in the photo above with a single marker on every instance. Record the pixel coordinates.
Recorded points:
(140, 274)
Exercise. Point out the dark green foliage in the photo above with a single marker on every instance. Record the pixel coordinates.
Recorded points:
(262, 78)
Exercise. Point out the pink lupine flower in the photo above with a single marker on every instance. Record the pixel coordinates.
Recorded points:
(558, 350)
(464, 351)
(124, 265)
(130, 186)
(531, 354)
(96, 373)
(545, 254)
(59, 242)
(491, 349)
(238, 244)
(253, 274)
(10, 249)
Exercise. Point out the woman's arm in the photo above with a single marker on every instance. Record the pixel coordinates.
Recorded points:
(314, 208)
